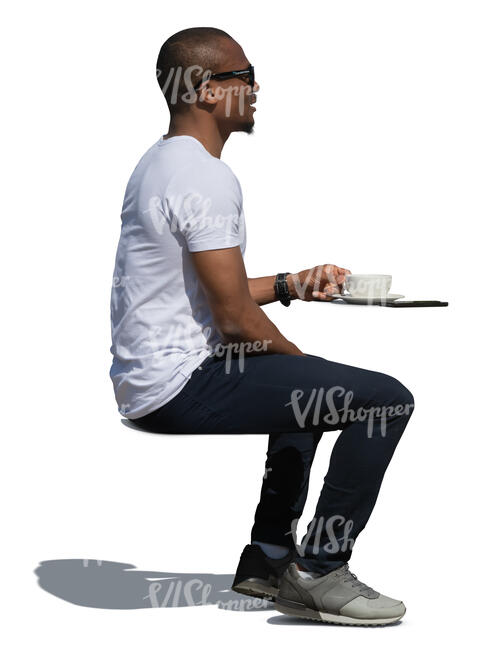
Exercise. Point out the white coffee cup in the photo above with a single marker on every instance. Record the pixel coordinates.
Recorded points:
(367, 285)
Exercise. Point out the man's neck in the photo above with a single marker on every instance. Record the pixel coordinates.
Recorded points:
(210, 138)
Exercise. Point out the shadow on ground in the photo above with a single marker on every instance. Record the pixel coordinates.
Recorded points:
(115, 585)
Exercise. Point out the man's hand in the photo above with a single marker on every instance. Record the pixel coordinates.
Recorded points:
(318, 283)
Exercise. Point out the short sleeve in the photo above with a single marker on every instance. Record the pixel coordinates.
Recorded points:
(205, 206)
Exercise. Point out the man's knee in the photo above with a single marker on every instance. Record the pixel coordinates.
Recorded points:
(397, 395)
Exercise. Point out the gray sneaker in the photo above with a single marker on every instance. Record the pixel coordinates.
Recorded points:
(337, 597)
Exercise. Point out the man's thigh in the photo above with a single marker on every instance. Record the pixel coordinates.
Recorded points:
(278, 393)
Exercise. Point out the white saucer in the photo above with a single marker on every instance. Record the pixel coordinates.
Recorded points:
(391, 297)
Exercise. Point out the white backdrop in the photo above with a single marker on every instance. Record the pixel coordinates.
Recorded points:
(376, 147)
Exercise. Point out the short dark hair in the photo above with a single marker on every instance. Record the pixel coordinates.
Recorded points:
(196, 46)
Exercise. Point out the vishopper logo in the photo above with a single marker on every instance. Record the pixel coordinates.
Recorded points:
(315, 279)
(195, 592)
(190, 213)
(175, 77)
(86, 562)
(176, 590)
(332, 526)
(156, 213)
(244, 604)
(374, 415)
(157, 339)
(240, 348)
(178, 78)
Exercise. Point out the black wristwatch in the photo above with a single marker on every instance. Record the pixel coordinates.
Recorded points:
(281, 289)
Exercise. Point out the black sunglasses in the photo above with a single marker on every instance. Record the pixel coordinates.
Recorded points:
(249, 72)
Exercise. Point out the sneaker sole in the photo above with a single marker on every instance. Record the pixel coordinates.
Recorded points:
(256, 588)
(292, 608)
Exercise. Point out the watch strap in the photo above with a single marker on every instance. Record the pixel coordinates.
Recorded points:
(281, 289)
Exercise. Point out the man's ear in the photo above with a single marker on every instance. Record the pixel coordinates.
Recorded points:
(207, 94)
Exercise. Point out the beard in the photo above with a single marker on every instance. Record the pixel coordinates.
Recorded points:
(248, 127)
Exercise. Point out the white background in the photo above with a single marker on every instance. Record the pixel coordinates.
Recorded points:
(376, 147)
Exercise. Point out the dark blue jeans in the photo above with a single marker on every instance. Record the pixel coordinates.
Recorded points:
(294, 399)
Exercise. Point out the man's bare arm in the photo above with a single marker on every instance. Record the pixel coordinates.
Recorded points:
(318, 283)
(237, 315)
(262, 289)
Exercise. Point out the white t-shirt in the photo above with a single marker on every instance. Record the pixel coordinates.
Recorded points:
(179, 199)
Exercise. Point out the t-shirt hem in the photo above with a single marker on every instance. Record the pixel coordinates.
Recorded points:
(213, 245)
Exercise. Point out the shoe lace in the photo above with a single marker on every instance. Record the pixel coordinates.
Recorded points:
(349, 576)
